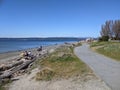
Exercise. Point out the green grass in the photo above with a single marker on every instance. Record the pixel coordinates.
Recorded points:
(64, 64)
(110, 49)
(94, 44)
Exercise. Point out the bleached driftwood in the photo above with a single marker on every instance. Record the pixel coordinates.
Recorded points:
(8, 66)
(8, 73)
(8, 70)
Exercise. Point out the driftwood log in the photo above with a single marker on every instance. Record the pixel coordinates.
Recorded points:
(8, 66)
(8, 73)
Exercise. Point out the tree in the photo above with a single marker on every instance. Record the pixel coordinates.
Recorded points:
(106, 30)
(111, 29)
(116, 29)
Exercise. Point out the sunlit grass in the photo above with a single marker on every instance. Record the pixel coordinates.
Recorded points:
(110, 49)
(94, 44)
(64, 64)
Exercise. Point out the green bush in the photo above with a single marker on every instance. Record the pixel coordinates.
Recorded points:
(104, 38)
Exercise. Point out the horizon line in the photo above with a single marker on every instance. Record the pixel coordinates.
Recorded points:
(48, 37)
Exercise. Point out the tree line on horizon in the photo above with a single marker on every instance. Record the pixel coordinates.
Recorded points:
(110, 30)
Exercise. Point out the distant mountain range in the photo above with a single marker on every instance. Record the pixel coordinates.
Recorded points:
(47, 39)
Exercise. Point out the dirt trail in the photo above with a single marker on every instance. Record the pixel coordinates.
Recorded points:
(27, 82)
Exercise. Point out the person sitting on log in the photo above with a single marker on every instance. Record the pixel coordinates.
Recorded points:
(40, 48)
(30, 56)
(26, 53)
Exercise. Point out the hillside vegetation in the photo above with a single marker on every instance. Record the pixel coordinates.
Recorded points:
(62, 64)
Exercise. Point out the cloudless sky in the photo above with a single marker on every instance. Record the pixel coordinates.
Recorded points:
(56, 18)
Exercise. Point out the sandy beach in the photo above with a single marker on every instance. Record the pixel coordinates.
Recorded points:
(13, 55)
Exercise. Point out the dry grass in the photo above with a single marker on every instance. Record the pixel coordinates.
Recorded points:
(1, 87)
(96, 44)
(64, 64)
(45, 74)
(110, 49)
(4, 84)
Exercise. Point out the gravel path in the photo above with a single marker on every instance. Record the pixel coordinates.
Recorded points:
(105, 68)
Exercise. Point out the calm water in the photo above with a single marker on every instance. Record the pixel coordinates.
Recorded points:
(19, 44)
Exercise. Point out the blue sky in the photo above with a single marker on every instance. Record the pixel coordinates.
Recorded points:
(56, 18)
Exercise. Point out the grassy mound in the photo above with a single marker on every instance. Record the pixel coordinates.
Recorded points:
(64, 64)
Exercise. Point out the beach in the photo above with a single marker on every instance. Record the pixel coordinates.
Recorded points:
(26, 81)
(12, 55)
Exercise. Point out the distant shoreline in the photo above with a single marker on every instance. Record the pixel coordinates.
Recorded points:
(13, 44)
(20, 50)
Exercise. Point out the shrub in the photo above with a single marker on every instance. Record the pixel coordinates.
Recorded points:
(104, 38)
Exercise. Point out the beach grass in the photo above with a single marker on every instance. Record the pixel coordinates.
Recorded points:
(110, 49)
(4, 84)
(63, 64)
(1, 87)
